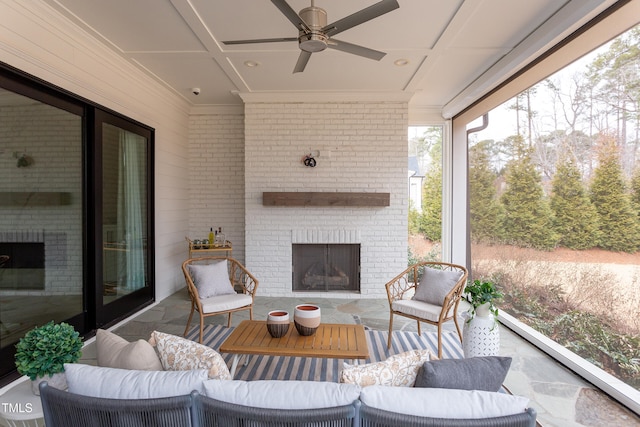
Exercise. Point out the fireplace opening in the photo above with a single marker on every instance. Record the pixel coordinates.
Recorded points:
(22, 265)
(326, 267)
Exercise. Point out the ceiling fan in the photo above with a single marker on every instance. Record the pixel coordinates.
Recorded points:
(314, 35)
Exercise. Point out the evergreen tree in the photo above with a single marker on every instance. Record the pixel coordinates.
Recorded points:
(431, 223)
(528, 220)
(484, 210)
(575, 218)
(618, 221)
(635, 189)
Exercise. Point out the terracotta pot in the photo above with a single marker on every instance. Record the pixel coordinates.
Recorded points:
(278, 323)
(306, 317)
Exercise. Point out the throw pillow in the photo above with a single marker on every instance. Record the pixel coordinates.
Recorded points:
(397, 370)
(115, 352)
(113, 383)
(211, 279)
(180, 354)
(276, 394)
(443, 403)
(475, 373)
(435, 285)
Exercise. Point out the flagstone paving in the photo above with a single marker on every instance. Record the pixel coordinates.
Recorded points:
(561, 398)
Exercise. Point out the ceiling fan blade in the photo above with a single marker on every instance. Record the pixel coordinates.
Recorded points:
(366, 14)
(302, 61)
(355, 49)
(291, 15)
(282, 39)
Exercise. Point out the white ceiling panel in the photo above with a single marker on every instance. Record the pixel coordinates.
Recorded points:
(446, 44)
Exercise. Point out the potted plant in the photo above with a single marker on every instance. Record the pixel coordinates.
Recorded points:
(481, 336)
(43, 351)
(482, 295)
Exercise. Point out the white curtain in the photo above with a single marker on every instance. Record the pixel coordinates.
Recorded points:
(131, 198)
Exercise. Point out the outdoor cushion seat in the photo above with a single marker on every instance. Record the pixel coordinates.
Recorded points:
(225, 302)
(424, 310)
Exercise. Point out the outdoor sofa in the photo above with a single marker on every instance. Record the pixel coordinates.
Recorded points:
(100, 396)
(172, 381)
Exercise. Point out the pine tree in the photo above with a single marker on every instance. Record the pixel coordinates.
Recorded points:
(431, 223)
(575, 217)
(618, 221)
(635, 189)
(484, 210)
(528, 220)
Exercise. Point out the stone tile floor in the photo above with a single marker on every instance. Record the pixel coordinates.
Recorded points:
(560, 397)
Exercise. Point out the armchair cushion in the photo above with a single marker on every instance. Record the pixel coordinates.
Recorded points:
(416, 308)
(225, 302)
(275, 394)
(180, 354)
(435, 285)
(443, 403)
(113, 383)
(211, 279)
(397, 370)
(475, 373)
(115, 352)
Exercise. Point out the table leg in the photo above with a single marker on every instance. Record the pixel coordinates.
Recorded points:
(234, 365)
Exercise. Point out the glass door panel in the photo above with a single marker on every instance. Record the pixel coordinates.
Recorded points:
(123, 221)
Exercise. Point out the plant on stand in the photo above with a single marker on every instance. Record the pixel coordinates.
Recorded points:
(481, 296)
(43, 351)
(481, 335)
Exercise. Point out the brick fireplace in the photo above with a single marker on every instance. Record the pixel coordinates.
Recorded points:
(362, 149)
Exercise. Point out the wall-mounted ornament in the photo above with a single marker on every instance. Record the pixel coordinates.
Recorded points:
(24, 160)
(309, 159)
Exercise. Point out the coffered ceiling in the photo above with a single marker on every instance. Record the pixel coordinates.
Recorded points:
(435, 49)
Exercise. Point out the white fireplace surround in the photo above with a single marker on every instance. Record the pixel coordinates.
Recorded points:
(336, 236)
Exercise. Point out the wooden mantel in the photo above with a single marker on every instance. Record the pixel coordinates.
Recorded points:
(296, 198)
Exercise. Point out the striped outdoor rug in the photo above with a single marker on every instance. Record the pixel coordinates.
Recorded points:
(320, 369)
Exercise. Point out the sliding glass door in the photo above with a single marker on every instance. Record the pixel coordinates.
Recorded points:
(124, 155)
(76, 213)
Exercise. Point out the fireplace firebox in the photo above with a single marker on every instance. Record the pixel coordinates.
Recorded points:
(326, 267)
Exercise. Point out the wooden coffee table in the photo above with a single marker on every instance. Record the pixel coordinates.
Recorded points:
(334, 341)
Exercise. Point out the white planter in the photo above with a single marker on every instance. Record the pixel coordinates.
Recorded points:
(58, 381)
(481, 334)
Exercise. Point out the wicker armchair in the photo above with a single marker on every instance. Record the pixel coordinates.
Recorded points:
(402, 287)
(242, 281)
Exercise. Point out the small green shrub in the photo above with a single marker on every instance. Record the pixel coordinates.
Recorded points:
(45, 349)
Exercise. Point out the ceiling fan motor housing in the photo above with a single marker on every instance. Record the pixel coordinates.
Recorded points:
(315, 40)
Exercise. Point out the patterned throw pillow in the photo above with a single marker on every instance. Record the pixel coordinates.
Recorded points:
(398, 370)
(180, 354)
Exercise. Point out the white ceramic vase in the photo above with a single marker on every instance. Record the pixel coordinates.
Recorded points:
(58, 381)
(481, 334)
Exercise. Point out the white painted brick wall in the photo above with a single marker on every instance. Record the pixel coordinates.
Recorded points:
(216, 176)
(363, 147)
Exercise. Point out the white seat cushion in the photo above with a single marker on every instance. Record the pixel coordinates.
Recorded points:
(225, 302)
(420, 309)
(274, 394)
(443, 403)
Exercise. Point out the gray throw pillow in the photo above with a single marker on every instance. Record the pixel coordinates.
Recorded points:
(435, 285)
(212, 279)
(475, 373)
